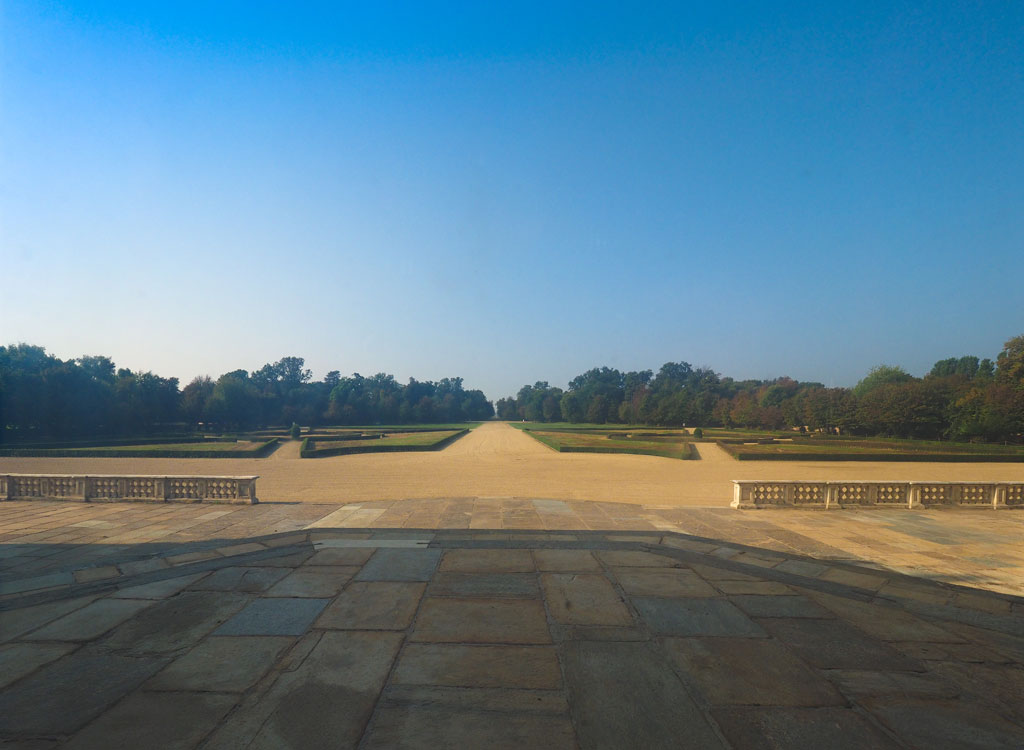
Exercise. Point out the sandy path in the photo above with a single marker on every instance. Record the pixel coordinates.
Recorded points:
(287, 450)
(496, 460)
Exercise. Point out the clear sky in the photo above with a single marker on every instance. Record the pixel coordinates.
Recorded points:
(513, 193)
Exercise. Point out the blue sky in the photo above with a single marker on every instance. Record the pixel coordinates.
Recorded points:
(513, 194)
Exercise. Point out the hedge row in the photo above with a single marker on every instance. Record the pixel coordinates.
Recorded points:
(688, 451)
(381, 446)
(686, 455)
(99, 443)
(923, 457)
(258, 452)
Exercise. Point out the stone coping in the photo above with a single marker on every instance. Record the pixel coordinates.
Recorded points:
(782, 493)
(112, 488)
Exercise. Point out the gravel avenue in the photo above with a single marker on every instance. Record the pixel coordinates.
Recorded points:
(495, 460)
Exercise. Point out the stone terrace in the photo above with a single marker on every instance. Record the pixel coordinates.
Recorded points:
(374, 626)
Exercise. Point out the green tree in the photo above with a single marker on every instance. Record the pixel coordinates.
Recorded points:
(879, 376)
(571, 408)
(1010, 363)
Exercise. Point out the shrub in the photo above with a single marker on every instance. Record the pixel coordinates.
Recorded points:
(698, 432)
(295, 431)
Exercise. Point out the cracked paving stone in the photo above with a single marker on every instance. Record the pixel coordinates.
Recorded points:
(692, 616)
(481, 621)
(222, 664)
(274, 617)
(385, 605)
(626, 695)
(749, 671)
(785, 728)
(90, 681)
(533, 667)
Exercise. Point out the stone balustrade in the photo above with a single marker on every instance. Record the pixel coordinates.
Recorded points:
(753, 493)
(139, 488)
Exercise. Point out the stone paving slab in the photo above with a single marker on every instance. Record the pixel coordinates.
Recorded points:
(405, 638)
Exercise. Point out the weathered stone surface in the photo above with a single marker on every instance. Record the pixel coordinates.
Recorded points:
(1010, 646)
(61, 697)
(481, 621)
(802, 568)
(341, 556)
(300, 557)
(749, 671)
(479, 666)
(713, 573)
(565, 560)
(328, 700)
(584, 599)
(400, 565)
(15, 622)
(176, 721)
(597, 633)
(175, 624)
(222, 664)
(20, 659)
(999, 685)
(274, 617)
(691, 617)
(967, 652)
(510, 585)
(856, 578)
(91, 621)
(550, 702)
(883, 621)
(933, 723)
(487, 561)
(833, 644)
(245, 579)
(158, 589)
(321, 581)
(90, 575)
(385, 605)
(624, 695)
(662, 582)
(639, 559)
(763, 588)
(785, 728)
(779, 606)
(858, 683)
(429, 728)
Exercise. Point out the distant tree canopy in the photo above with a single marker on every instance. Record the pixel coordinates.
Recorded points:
(963, 398)
(43, 397)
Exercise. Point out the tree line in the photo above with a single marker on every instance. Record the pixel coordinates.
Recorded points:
(964, 398)
(43, 397)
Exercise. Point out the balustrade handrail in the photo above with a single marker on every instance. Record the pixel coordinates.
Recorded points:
(129, 488)
(789, 493)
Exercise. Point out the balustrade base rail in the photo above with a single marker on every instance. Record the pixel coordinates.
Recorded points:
(91, 488)
(752, 493)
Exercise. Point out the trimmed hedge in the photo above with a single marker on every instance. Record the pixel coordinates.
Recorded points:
(923, 457)
(686, 455)
(688, 451)
(258, 452)
(306, 452)
(112, 442)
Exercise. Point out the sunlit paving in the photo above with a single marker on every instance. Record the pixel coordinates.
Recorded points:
(662, 380)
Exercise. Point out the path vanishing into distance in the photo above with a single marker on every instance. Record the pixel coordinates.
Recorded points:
(496, 460)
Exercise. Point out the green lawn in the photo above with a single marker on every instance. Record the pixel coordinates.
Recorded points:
(379, 442)
(821, 448)
(197, 449)
(662, 444)
(343, 429)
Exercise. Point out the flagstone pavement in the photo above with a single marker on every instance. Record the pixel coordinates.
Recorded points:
(508, 623)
